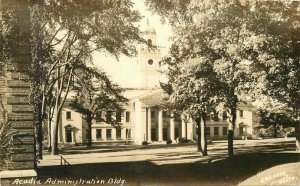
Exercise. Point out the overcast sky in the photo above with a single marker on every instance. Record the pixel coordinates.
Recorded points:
(124, 71)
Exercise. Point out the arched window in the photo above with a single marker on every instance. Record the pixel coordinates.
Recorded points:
(149, 42)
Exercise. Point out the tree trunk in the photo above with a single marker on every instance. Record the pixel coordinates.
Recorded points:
(89, 131)
(230, 134)
(297, 131)
(55, 132)
(275, 131)
(49, 132)
(198, 121)
(203, 135)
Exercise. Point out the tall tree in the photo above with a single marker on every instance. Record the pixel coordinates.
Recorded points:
(96, 93)
(215, 31)
(71, 31)
(277, 55)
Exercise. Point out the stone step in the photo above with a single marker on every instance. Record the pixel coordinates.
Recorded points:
(18, 83)
(22, 108)
(18, 100)
(20, 116)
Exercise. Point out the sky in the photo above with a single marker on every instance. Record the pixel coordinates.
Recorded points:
(124, 71)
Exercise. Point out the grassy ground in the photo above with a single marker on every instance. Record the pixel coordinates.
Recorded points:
(214, 170)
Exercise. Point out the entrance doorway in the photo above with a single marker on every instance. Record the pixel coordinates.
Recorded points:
(68, 135)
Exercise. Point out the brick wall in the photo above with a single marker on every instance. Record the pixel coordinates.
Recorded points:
(15, 90)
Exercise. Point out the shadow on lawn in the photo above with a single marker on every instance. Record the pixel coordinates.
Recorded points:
(224, 171)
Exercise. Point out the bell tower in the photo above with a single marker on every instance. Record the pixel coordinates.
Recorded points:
(148, 61)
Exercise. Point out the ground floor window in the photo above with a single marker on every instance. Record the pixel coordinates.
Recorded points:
(216, 131)
(128, 134)
(224, 131)
(108, 134)
(176, 133)
(153, 134)
(98, 134)
(165, 134)
(207, 131)
(119, 132)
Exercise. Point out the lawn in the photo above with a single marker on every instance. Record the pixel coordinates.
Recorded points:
(216, 170)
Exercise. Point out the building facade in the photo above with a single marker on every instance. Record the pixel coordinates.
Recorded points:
(144, 118)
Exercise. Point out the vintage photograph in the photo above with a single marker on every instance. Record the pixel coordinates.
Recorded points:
(149, 92)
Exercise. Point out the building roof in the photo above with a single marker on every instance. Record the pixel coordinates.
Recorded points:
(245, 105)
(154, 98)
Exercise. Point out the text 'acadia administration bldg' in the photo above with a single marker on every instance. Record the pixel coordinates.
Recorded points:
(144, 118)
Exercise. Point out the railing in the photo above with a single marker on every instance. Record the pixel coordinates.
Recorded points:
(63, 161)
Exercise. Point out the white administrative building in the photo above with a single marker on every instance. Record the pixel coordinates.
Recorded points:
(144, 118)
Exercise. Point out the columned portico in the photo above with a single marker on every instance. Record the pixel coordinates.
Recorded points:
(160, 125)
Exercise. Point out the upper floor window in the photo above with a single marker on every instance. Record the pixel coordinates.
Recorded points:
(68, 115)
(118, 116)
(152, 114)
(108, 116)
(224, 115)
(127, 116)
(241, 113)
(98, 116)
(164, 114)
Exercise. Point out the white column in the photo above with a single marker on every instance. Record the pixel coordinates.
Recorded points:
(113, 134)
(103, 133)
(172, 127)
(160, 125)
(149, 124)
(183, 128)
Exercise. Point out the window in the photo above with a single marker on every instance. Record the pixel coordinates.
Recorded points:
(152, 114)
(215, 116)
(98, 134)
(118, 116)
(224, 131)
(108, 116)
(127, 117)
(150, 61)
(241, 113)
(224, 115)
(69, 116)
(149, 42)
(119, 132)
(207, 131)
(128, 134)
(108, 133)
(216, 131)
(164, 114)
(98, 116)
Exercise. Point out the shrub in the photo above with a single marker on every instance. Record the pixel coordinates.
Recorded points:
(144, 143)
(169, 141)
(5, 140)
(183, 140)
